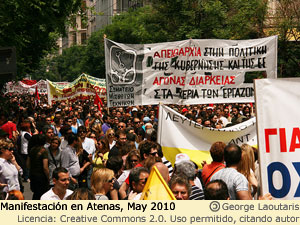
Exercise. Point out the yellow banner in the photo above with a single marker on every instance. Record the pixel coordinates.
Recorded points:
(84, 87)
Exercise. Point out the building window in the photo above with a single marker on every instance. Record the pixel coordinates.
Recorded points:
(83, 38)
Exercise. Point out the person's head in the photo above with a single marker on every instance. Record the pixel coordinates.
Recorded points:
(136, 122)
(199, 120)
(121, 137)
(68, 121)
(217, 151)
(226, 112)
(102, 180)
(110, 134)
(25, 126)
(81, 194)
(48, 131)
(115, 163)
(164, 171)
(55, 142)
(72, 140)
(148, 149)
(180, 187)
(121, 126)
(246, 163)
(216, 190)
(206, 123)
(133, 158)
(48, 120)
(187, 168)
(65, 130)
(137, 179)
(61, 179)
(232, 154)
(150, 161)
(131, 137)
(81, 132)
(235, 110)
(6, 150)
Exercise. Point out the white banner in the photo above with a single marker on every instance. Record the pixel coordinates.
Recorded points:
(279, 136)
(186, 72)
(22, 88)
(178, 134)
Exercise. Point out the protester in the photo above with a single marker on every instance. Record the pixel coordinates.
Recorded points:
(137, 180)
(8, 168)
(217, 154)
(236, 182)
(61, 182)
(216, 190)
(102, 181)
(38, 166)
(247, 168)
(180, 187)
(54, 156)
(70, 160)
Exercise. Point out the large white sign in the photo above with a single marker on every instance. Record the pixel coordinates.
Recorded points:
(277, 102)
(177, 134)
(186, 72)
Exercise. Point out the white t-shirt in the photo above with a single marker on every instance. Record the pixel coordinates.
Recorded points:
(50, 195)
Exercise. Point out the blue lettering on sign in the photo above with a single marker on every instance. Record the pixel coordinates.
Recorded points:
(286, 179)
(297, 167)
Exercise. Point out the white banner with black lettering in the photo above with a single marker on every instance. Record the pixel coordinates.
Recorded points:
(178, 134)
(277, 102)
(186, 72)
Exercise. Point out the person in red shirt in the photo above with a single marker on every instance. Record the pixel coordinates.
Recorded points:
(9, 127)
(217, 154)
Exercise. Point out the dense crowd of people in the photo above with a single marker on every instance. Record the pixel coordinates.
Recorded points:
(74, 151)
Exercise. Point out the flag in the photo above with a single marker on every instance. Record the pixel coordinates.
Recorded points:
(178, 134)
(98, 102)
(156, 187)
(36, 96)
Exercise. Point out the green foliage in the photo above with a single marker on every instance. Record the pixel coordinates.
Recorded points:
(29, 26)
(173, 20)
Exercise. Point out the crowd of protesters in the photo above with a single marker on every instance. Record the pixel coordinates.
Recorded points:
(74, 151)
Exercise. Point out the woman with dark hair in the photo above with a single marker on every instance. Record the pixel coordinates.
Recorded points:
(54, 156)
(38, 166)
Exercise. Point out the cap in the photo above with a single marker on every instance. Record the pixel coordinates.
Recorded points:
(134, 109)
(146, 119)
(181, 157)
(184, 110)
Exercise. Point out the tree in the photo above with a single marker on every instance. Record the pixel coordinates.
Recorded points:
(286, 23)
(33, 26)
(173, 20)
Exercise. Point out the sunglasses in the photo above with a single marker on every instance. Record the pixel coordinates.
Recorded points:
(9, 149)
(153, 153)
(134, 160)
(111, 180)
(137, 122)
(92, 136)
(120, 126)
(111, 135)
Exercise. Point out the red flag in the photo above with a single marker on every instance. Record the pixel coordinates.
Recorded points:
(98, 102)
(37, 96)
